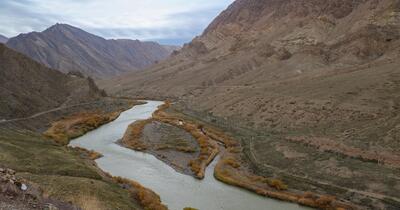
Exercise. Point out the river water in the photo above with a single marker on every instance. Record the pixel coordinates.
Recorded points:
(176, 190)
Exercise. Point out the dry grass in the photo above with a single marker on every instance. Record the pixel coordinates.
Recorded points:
(232, 162)
(185, 149)
(133, 134)
(77, 125)
(87, 202)
(277, 184)
(208, 149)
(90, 154)
(147, 198)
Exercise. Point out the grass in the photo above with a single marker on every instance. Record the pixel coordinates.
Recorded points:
(147, 198)
(61, 172)
(232, 162)
(64, 130)
(90, 154)
(185, 149)
(208, 149)
(87, 202)
(133, 134)
(106, 194)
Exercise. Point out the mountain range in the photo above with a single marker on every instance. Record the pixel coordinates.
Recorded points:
(67, 48)
(309, 88)
(257, 42)
(3, 39)
(315, 83)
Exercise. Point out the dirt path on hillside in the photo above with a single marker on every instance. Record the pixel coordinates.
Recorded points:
(61, 107)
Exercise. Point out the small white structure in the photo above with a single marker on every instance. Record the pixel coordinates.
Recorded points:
(24, 187)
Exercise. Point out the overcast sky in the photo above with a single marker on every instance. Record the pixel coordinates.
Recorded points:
(166, 21)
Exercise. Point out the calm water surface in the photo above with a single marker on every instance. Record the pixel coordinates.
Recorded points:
(176, 190)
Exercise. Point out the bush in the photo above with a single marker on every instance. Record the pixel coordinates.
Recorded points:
(232, 162)
(74, 126)
(277, 184)
(325, 201)
(133, 134)
(147, 198)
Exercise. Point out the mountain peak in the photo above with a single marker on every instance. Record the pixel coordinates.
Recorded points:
(68, 48)
(62, 27)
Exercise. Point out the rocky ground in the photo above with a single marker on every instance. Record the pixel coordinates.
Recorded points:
(170, 144)
(18, 194)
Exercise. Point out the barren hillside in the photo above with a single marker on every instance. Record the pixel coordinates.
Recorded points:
(317, 81)
(27, 87)
(67, 48)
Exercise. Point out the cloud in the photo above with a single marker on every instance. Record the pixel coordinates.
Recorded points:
(172, 21)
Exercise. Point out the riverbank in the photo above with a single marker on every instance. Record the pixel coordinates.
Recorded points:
(176, 190)
(78, 124)
(230, 169)
(184, 155)
(61, 176)
(169, 144)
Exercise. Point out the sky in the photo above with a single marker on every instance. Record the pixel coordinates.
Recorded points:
(166, 21)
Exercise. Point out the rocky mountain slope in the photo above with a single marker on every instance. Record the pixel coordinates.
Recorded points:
(68, 48)
(27, 87)
(315, 83)
(255, 41)
(3, 39)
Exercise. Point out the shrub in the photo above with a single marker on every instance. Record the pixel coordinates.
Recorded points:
(133, 134)
(74, 126)
(147, 198)
(232, 162)
(325, 200)
(195, 166)
(277, 184)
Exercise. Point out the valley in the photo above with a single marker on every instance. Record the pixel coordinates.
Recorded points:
(205, 194)
(277, 104)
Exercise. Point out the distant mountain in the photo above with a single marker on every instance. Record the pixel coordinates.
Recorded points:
(3, 39)
(68, 48)
(171, 48)
(28, 87)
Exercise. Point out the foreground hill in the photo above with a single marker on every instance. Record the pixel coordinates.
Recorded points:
(311, 87)
(3, 39)
(68, 48)
(39, 172)
(28, 87)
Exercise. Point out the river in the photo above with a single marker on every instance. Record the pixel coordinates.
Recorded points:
(176, 190)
